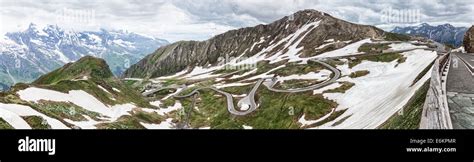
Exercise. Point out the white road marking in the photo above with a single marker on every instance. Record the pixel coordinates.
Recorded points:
(455, 63)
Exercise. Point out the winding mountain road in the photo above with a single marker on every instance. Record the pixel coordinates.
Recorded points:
(250, 98)
(336, 72)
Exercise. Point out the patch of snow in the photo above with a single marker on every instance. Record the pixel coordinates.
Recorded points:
(305, 122)
(321, 75)
(156, 103)
(13, 119)
(133, 79)
(244, 107)
(174, 75)
(103, 89)
(323, 45)
(77, 97)
(21, 110)
(262, 39)
(292, 45)
(96, 39)
(178, 90)
(116, 90)
(238, 96)
(82, 78)
(404, 46)
(61, 56)
(384, 91)
(123, 43)
(460, 49)
(351, 49)
(201, 73)
(329, 40)
(253, 71)
(163, 111)
(219, 86)
(247, 127)
(167, 124)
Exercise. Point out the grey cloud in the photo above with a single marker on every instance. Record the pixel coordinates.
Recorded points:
(227, 14)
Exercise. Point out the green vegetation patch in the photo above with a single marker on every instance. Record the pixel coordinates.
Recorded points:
(163, 93)
(147, 117)
(297, 83)
(386, 57)
(5, 125)
(36, 122)
(124, 122)
(91, 86)
(373, 47)
(237, 90)
(359, 73)
(276, 110)
(331, 117)
(341, 89)
(63, 110)
(130, 82)
(334, 63)
(86, 66)
(396, 37)
(168, 102)
(295, 68)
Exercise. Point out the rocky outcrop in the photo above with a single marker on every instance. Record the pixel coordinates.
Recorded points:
(86, 67)
(250, 41)
(469, 40)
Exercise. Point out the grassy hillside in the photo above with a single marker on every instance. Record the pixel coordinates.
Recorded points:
(87, 66)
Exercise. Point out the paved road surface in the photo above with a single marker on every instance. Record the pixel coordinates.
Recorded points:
(336, 72)
(460, 91)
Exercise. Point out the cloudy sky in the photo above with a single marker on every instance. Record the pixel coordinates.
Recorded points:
(200, 19)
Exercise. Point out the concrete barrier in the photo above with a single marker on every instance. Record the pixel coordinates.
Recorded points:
(435, 113)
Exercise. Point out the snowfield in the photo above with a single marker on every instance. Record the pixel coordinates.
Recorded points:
(167, 124)
(351, 49)
(77, 97)
(13, 119)
(320, 76)
(162, 111)
(380, 94)
(12, 114)
(404, 46)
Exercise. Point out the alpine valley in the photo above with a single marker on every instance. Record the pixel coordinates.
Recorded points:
(303, 71)
(26, 55)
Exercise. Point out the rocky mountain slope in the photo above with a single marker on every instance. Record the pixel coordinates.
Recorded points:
(469, 40)
(445, 33)
(247, 42)
(26, 55)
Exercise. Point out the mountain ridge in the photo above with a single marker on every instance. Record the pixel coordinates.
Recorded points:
(181, 55)
(444, 33)
(86, 67)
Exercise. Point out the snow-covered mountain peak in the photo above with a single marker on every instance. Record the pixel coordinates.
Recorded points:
(444, 33)
(43, 49)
